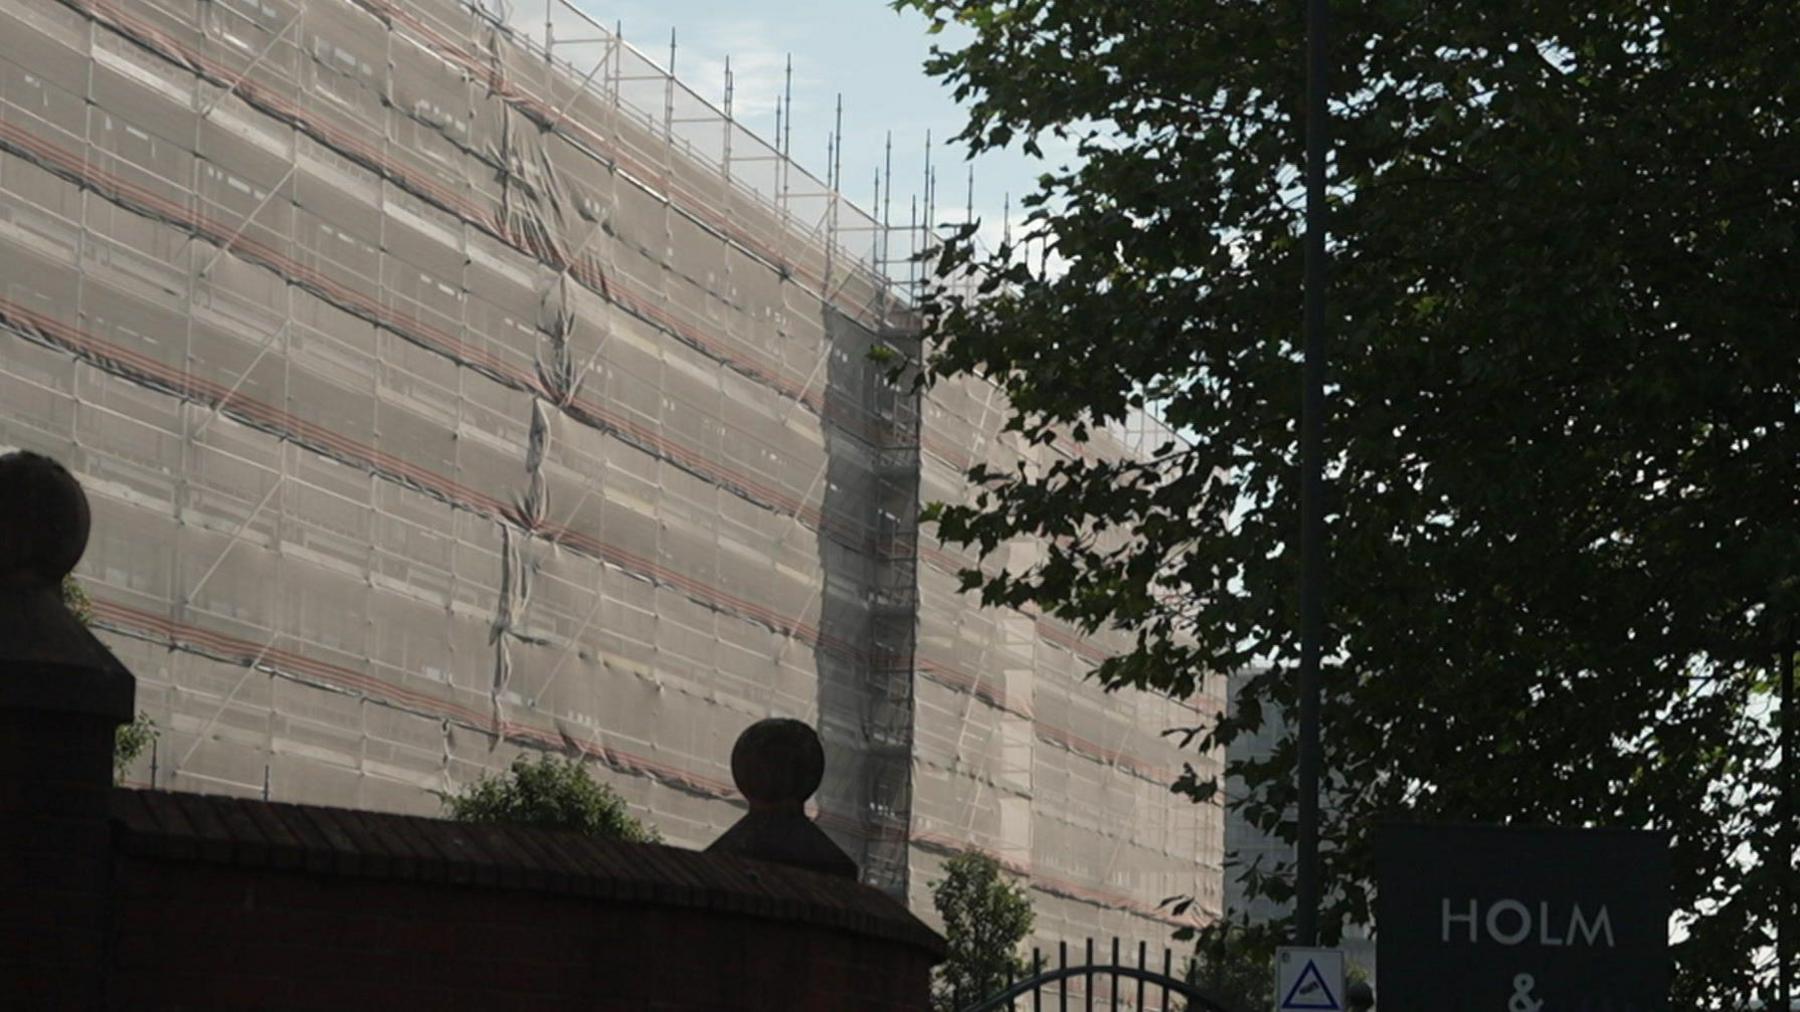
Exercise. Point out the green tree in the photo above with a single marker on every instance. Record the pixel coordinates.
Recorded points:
(551, 792)
(130, 740)
(986, 918)
(1235, 964)
(1562, 383)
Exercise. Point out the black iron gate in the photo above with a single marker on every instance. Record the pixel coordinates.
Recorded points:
(1144, 989)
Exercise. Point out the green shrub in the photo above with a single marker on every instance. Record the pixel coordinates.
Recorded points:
(550, 792)
(130, 741)
(75, 598)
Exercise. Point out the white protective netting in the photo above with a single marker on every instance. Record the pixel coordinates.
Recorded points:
(435, 404)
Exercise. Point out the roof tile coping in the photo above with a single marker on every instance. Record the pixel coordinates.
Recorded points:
(249, 833)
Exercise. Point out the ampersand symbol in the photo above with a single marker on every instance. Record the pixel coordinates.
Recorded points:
(1521, 1000)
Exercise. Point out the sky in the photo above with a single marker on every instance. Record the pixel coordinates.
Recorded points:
(861, 49)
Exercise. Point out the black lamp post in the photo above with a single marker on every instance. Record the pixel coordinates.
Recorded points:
(1312, 490)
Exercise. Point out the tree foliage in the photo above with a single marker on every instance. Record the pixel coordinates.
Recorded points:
(129, 740)
(550, 792)
(75, 598)
(1564, 364)
(1235, 965)
(986, 918)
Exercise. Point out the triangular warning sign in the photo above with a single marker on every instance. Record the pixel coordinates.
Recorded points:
(1310, 991)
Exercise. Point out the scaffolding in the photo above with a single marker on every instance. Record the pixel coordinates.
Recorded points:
(452, 381)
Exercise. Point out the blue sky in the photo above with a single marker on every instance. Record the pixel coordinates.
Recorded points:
(860, 48)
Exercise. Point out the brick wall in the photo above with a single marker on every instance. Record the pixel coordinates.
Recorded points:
(232, 904)
(203, 936)
(154, 900)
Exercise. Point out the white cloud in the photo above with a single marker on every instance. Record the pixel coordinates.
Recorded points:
(758, 70)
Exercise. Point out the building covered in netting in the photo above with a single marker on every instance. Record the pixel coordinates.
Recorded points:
(444, 392)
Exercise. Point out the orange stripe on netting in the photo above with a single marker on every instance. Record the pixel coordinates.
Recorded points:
(745, 361)
(128, 619)
(445, 488)
(424, 334)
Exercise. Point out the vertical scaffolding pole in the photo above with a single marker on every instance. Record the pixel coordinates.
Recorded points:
(931, 202)
(912, 260)
(1312, 488)
(785, 142)
(834, 145)
(887, 201)
(969, 202)
(922, 232)
(837, 186)
(837, 159)
(669, 94)
(618, 61)
(924, 240)
(726, 126)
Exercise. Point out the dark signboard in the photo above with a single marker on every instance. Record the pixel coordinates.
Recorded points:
(1492, 919)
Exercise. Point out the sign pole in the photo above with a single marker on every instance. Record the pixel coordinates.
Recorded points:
(1785, 918)
(1312, 506)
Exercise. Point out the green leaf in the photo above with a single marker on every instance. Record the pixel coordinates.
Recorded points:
(986, 919)
(549, 792)
(1562, 371)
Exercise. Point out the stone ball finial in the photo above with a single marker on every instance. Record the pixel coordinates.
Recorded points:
(44, 519)
(778, 763)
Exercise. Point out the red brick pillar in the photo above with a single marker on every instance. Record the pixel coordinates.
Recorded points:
(62, 696)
